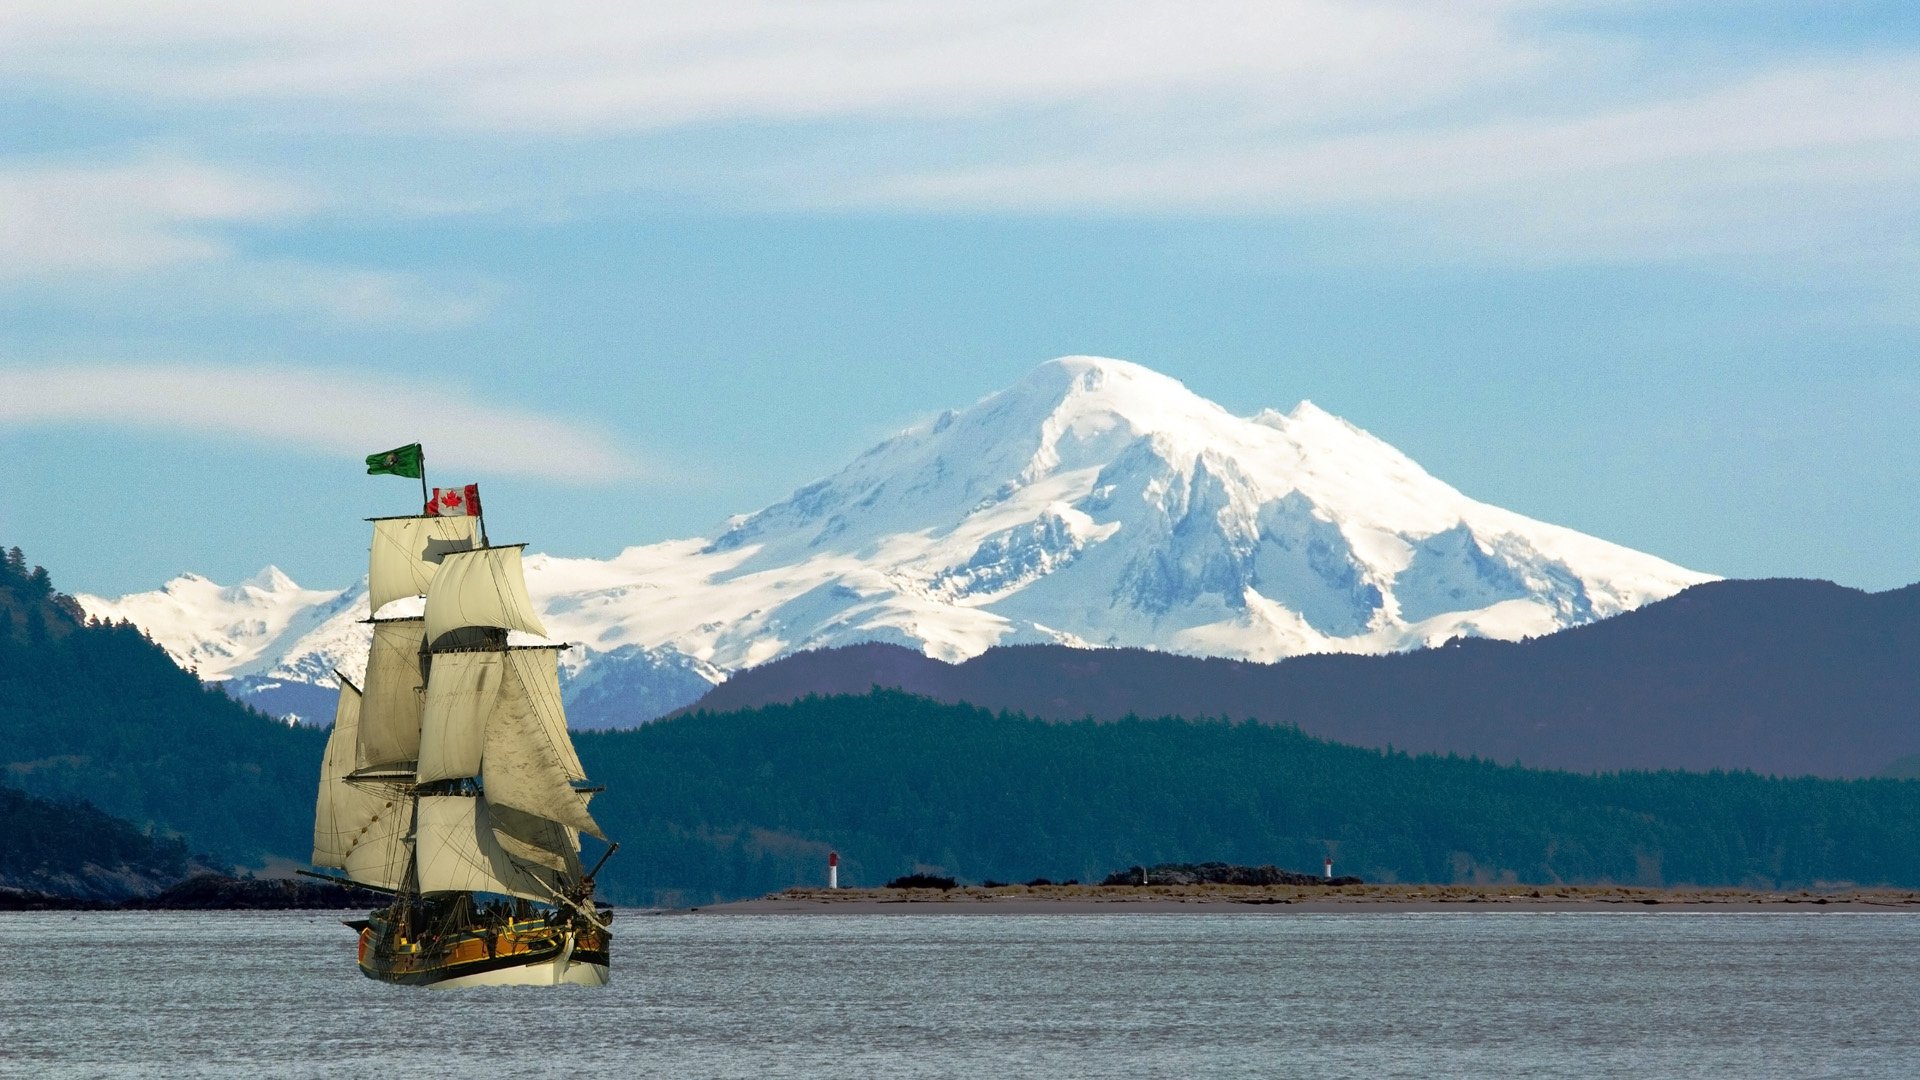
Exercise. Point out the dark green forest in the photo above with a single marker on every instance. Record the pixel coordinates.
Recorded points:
(741, 803)
(98, 712)
(711, 806)
(72, 849)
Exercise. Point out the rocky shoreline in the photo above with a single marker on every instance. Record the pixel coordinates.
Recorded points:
(210, 892)
(1220, 873)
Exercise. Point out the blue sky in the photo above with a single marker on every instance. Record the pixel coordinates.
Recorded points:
(1649, 270)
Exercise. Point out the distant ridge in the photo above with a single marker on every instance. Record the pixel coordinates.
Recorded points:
(1785, 677)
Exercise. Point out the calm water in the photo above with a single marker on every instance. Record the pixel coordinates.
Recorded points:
(1416, 995)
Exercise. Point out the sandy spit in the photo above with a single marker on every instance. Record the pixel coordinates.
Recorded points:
(1296, 900)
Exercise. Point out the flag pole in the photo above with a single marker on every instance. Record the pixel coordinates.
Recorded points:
(424, 497)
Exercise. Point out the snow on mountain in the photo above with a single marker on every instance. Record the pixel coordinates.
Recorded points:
(1095, 502)
(268, 640)
(222, 631)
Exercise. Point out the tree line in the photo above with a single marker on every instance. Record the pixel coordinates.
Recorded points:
(711, 805)
(719, 805)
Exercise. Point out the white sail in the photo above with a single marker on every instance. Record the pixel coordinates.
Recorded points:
(378, 853)
(536, 671)
(407, 551)
(537, 840)
(357, 827)
(329, 815)
(483, 587)
(527, 761)
(390, 716)
(496, 714)
(456, 850)
(335, 816)
(462, 693)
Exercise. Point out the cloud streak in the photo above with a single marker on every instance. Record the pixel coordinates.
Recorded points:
(1792, 159)
(114, 226)
(594, 66)
(334, 413)
(129, 217)
(1506, 130)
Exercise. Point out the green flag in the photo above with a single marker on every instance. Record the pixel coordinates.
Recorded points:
(400, 461)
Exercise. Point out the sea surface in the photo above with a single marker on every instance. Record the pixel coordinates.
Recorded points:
(1184, 996)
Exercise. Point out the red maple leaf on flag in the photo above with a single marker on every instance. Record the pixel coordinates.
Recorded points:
(454, 502)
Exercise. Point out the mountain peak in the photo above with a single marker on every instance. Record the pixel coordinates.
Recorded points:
(269, 586)
(271, 579)
(1101, 500)
(1082, 363)
(1099, 383)
(1082, 411)
(1093, 371)
(1094, 501)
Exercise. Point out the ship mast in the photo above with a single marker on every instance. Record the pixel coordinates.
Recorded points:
(366, 818)
(451, 770)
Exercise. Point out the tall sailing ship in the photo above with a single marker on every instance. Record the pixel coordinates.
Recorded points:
(449, 780)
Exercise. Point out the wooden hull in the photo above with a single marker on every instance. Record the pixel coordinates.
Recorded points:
(531, 952)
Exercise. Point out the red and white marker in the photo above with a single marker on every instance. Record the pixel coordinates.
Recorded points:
(1329, 866)
(833, 869)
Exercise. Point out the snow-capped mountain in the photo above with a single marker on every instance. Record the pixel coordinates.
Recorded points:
(1095, 502)
(237, 634)
(219, 630)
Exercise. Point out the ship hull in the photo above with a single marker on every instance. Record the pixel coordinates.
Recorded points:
(548, 973)
(530, 954)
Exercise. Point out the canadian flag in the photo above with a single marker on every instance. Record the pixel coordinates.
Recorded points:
(455, 502)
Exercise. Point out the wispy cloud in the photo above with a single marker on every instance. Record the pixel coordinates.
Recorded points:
(101, 228)
(1796, 158)
(129, 217)
(1497, 129)
(585, 65)
(347, 294)
(333, 412)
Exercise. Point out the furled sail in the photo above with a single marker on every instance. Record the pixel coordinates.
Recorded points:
(482, 587)
(390, 715)
(528, 762)
(407, 551)
(462, 693)
(457, 852)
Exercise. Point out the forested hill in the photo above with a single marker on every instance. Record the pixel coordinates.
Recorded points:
(1783, 677)
(97, 712)
(716, 806)
(713, 806)
(30, 609)
(74, 850)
